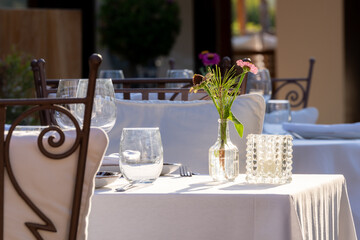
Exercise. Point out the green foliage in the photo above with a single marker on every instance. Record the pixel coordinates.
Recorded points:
(16, 81)
(222, 91)
(252, 11)
(139, 30)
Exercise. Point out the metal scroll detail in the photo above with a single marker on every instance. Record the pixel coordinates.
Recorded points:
(53, 142)
(296, 96)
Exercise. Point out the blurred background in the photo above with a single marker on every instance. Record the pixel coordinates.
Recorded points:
(141, 37)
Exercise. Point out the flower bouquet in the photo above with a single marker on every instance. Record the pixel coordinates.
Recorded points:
(223, 90)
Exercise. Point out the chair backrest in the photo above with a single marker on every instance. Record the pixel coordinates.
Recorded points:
(131, 86)
(296, 90)
(38, 68)
(145, 86)
(80, 147)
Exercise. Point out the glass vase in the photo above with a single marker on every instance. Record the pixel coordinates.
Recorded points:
(223, 156)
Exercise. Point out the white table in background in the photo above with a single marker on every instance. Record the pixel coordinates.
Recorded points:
(335, 156)
(310, 207)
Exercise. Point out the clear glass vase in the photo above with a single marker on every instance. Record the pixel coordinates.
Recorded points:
(223, 156)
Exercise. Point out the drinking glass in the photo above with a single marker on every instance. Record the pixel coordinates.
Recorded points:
(277, 112)
(67, 89)
(178, 73)
(104, 108)
(113, 74)
(260, 83)
(141, 154)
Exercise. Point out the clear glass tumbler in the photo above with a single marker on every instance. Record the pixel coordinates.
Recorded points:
(141, 154)
(260, 83)
(277, 112)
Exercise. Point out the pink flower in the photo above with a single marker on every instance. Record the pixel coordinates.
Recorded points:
(251, 67)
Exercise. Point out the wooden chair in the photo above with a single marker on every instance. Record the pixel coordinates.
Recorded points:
(296, 90)
(81, 175)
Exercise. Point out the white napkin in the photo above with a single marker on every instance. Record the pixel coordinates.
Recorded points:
(110, 163)
(110, 160)
(307, 130)
(305, 115)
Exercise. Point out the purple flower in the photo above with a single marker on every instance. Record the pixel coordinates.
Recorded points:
(209, 58)
(202, 54)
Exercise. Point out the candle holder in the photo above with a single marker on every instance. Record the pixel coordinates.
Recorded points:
(269, 158)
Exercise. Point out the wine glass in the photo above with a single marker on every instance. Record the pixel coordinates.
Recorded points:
(67, 88)
(104, 108)
(260, 83)
(141, 154)
(178, 73)
(113, 74)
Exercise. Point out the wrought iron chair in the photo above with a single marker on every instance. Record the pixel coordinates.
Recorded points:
(76, 154)
(47, 86)
(41, 88)
(296, 90)
(44, 86)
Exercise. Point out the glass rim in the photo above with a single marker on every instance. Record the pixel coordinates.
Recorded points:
(86, 79)
(141, 128)
(69, 79)
(278, 101)
(111, 70)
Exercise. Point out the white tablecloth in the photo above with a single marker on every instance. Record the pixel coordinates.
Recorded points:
(310, 207)
(332, 157)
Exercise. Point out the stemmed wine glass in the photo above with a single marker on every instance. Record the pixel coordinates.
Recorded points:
(104, 108)
(113, 74)
(260, 83)
(67, 88)
(117, 74)
(178, 73)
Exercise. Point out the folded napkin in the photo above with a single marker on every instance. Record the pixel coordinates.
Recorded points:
(305, 115)
(25, 128)
(110, 160)
(307, 130)
(110, 163)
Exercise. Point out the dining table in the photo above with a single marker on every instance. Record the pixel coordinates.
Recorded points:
(331, 156)
(311, 206)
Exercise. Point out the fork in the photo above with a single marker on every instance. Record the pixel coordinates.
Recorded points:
(185, 172)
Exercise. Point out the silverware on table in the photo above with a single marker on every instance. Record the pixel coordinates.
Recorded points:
(185, 172)
(125, 187)
(296, 135)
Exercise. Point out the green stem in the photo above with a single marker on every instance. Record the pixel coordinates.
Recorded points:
(223, 126)
(223, 137)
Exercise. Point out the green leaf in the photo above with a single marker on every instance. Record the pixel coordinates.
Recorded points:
(238, 125)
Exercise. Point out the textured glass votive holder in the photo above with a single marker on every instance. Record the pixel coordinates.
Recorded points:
(269, 158)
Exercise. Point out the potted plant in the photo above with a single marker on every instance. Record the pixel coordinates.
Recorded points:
(139, 30)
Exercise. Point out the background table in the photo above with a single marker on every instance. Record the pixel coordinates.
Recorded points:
(310, 207)
(337, 156)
